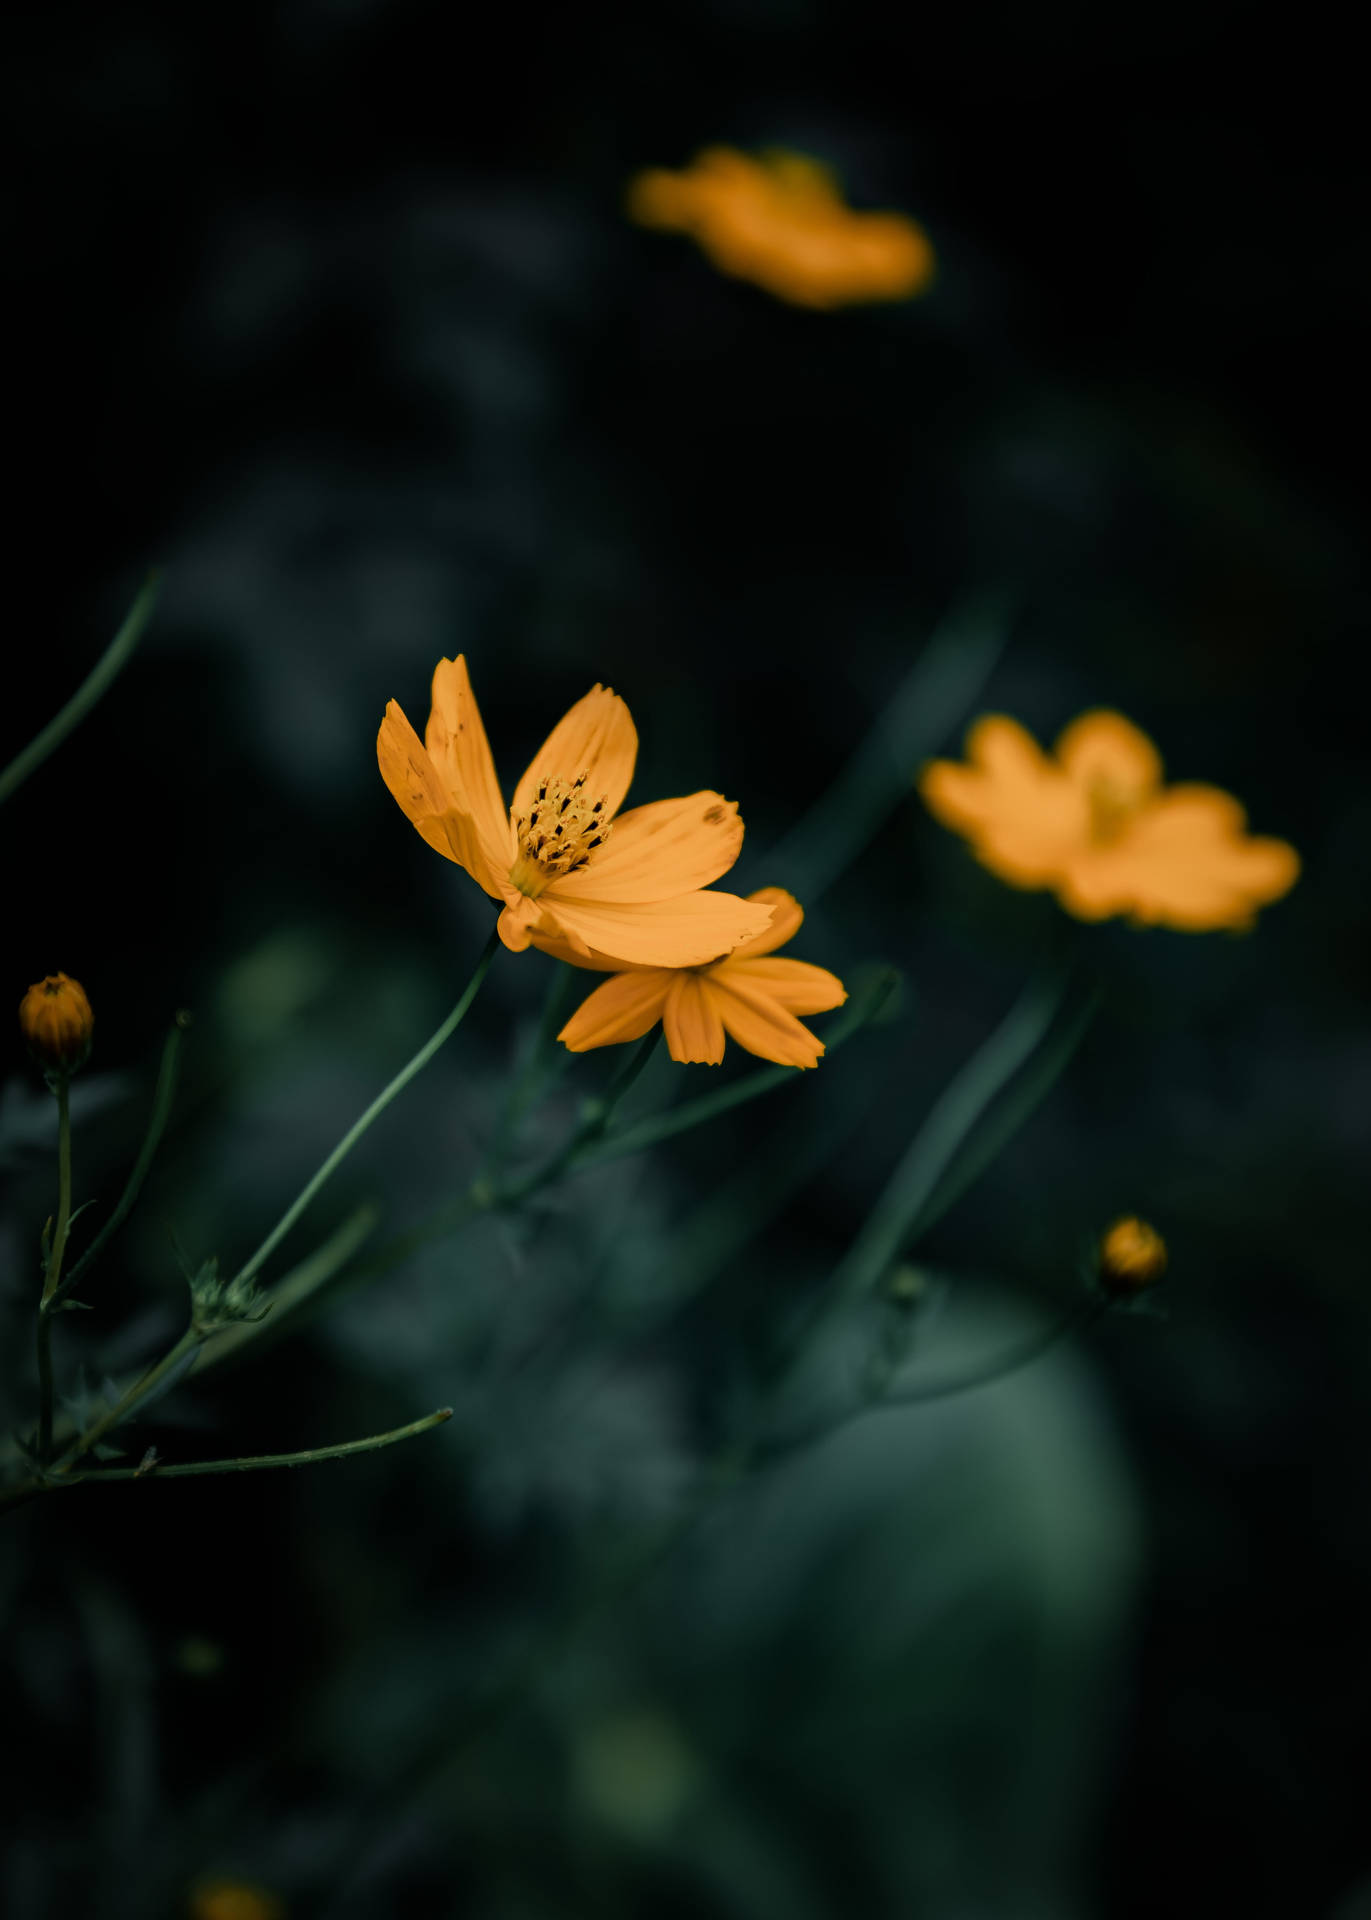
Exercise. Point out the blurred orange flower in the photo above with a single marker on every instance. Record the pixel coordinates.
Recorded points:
(1097, 826)
(779, 219)
(234, 1900)
(562, 859)
(746, 994)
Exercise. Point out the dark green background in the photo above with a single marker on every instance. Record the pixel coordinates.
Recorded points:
(331, 310)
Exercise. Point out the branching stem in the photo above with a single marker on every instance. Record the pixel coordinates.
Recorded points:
(256, 1462)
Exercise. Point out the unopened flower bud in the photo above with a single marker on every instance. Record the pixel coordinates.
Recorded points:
(56, 1022)
(1132, 1257)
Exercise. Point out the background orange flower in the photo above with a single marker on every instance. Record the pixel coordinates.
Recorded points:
(1095, 824)
(779, 219)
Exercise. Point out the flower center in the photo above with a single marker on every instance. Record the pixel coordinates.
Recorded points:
(1112, 807)
(558, 834)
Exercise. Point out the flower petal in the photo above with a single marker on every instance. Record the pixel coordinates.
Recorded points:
(793, 984)
(1184, 863)
(787, 916)
(415, 783)
(756, 1021)
(548, 940)
(624, 1008)
(1102, 749)
(1189, 810)
(690, 1020)
(1020, 811)
(685, 932)
(662, 850)
(516, 923)
(457, 745)
(597, 738)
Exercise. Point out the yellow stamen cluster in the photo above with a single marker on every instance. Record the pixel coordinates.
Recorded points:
(1112, 806)
(558, 833)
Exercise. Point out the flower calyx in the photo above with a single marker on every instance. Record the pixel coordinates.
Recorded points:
(558, 834)
(216, 1304)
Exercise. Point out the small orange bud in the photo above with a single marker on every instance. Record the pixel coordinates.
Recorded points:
(1132, 1256)
(233, 1900)
(56, 1021)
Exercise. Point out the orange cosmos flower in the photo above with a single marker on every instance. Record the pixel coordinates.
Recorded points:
(562, 859)
(1096, 825)
(744, 993)
(780, 220)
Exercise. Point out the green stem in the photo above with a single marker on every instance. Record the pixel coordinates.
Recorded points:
(938, 1140)
(256, 1462)
(97, 681)
(373, 1112)
(1040, 1076)
(587, 1149)
(860, 1011)
(192, 1339)
(59, 1239)
(934, 696)
(142, 1389)
(595, 1120)
(162, 1098)
(43, 1336)
(294, 1289)
(603, 1110)
(520, 1097)
(1080, 1318)
(62, 1089)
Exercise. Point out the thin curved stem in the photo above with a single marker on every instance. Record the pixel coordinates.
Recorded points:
(1023, 1353)
(59, 1238)
(162, 1098)
(257, 1462)
(43, 1331)
(1039, 1077)
(521, 1094)
(43, 1340)
(96, 683)
(934, 696)
(950, 1120)
(373, 1112)
(294, 1289)
(1079, 1320)
(156, 1378)
(592, 1128)
(591, 1148)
